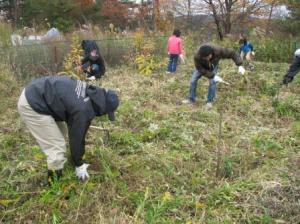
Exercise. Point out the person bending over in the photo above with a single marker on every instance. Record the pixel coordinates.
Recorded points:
(206, 62)
(50, 102)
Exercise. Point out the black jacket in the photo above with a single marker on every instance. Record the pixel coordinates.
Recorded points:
(293, 70)
(88, 46)
(72, 101)
(206, 68)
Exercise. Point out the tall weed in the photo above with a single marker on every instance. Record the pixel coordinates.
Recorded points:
(145, 58)
(5, 32)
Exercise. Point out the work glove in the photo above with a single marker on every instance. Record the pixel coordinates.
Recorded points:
(242, 70)
(219, 79)
(297, 53)
(182, 58)
(91, 78)
(81, 171)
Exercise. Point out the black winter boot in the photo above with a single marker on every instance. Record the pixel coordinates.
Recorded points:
(53, 176)
(58, 174)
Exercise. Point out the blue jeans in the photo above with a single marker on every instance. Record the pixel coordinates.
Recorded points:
(95, 69)
(173, 62)
(212, 88)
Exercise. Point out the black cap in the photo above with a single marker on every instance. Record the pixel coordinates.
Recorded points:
(206, 50)
(112, 103)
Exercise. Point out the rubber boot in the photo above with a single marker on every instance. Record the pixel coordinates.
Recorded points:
(53, 176)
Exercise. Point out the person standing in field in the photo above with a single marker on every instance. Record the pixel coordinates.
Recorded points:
(175, 51)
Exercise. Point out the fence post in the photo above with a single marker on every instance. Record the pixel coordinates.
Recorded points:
(55, 59)
(219, 150)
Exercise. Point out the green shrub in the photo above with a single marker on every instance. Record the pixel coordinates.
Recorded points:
(155, 132)
(296, 129)
(5, 32)
(266, 146)
(126, 142)
(267, 49)
(227, 167)
(73, 60)
(222, 195)
(267, 88)
(287, 107)
(274, 49)
(263, 219)
(63, 24)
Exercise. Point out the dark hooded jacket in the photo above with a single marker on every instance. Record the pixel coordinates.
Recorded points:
(88, 46)
(206, 68)
(72, 101)
(293, 70)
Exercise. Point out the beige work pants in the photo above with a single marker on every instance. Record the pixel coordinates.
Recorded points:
(48, 133)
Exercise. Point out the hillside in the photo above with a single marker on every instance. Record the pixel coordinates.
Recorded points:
(159, 163)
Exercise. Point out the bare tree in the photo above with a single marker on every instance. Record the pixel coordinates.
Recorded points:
(227, 12)
(156, 14)
(12, 9)
(217, 18)
(270, 17)
(184, 8)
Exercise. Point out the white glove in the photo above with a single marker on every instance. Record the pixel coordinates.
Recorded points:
(219, 79)
(242, 70)
(253, 53)
(297, 52)
(182, 58)
(91, 78)
(81, 171)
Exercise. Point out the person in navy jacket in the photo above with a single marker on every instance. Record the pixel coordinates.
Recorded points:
(48, 103)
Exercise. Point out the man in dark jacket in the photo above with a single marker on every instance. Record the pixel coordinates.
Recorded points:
(92, 63)
(46, 103)
(206, 63)
(294, 68)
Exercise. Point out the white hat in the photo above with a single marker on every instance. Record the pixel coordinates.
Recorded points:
(297, 52)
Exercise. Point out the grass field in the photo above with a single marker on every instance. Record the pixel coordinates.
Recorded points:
(166, 162)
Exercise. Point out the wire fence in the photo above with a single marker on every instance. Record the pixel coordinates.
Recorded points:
(34, 60)
(27, 61)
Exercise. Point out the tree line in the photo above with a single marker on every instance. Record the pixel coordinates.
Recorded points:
(227, 16)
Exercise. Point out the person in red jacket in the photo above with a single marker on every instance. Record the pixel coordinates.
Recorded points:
(174, 50)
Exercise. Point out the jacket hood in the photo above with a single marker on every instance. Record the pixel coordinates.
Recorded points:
(104, 102)
(98, 98)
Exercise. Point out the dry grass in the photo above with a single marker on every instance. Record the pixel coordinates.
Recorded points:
(159, 147)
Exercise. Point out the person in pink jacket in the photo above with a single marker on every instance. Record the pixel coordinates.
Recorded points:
(174, 50)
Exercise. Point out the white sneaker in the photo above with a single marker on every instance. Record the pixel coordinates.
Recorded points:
(186, 101)
(208, 105)
(167, 72)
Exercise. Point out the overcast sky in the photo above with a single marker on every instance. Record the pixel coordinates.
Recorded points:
(279, 12)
